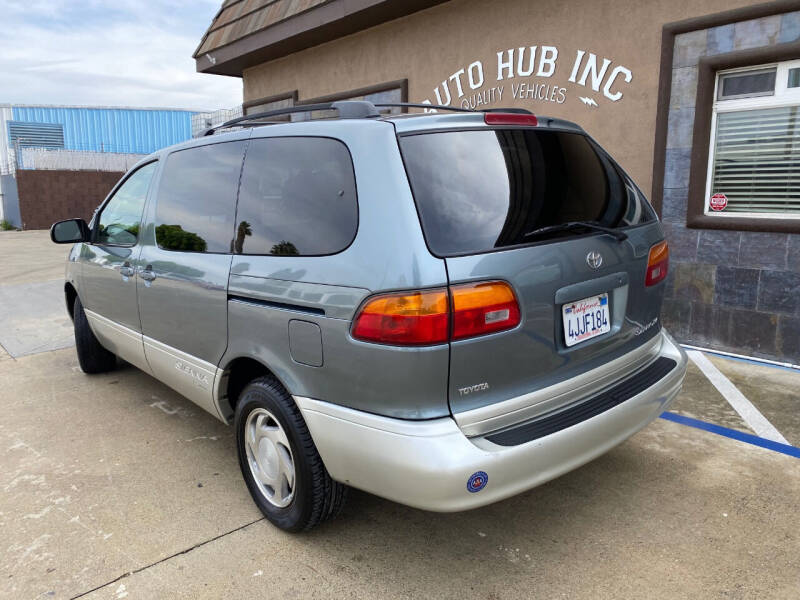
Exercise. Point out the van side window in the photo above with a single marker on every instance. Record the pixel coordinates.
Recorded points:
(297, 198)
(197, 198)
(121, 218)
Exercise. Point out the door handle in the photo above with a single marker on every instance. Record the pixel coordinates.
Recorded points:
(126, 270)
(147, 273)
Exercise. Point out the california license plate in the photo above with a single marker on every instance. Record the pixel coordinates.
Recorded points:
(585, 319)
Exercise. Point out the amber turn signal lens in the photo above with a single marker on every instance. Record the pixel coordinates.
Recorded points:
(481, 308)
(657, 264)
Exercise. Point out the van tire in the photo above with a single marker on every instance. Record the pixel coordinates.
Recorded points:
(92, 357)
(316, 497)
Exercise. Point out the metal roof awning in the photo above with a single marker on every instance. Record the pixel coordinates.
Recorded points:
(246, 33)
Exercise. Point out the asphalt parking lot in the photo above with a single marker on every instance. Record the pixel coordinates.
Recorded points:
(113, 486)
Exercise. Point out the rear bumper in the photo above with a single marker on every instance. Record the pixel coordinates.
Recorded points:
(427, 464)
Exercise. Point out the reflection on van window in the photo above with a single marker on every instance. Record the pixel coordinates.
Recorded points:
(173, 237)
(483, 190)
(118, 224)
(284, 249)
(197, 198)
(297, 198)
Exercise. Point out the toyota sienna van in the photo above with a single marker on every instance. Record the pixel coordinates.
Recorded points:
(442, 309)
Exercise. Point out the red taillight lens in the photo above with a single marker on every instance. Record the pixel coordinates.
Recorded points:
(510, 119)
(482, 308)
(408, 318)
(657, 264)
(423, 318)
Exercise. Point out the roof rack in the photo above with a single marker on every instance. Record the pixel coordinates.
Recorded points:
(521, 111)
(425, 105)
(347, 109)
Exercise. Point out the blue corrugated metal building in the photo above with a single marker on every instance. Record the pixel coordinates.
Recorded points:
(105, 129)
(109, 131)
(129, 130)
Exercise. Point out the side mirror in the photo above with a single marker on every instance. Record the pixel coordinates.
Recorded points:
(70, 231)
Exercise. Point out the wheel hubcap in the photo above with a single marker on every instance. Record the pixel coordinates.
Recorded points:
(269, 457)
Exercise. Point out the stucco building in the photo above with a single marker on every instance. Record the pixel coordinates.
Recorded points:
(697, 99)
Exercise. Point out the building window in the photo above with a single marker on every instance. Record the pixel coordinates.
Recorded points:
(391, 92)
(754, 155)
(259, 107)
(277, 102)
(386, 93)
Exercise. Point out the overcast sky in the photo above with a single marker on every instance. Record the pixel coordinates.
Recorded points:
(110, 53)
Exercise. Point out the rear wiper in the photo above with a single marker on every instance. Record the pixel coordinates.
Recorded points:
(620, 235)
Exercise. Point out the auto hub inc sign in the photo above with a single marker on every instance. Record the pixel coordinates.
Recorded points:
(536, 74)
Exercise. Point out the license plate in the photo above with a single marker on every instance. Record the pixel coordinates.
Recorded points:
(585, 319)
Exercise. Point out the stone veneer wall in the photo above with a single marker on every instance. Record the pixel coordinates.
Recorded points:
(730, 290)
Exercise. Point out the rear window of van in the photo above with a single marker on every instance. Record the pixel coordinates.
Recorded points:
(483, 190)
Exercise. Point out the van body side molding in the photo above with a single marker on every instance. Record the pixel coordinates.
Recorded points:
(184, 373)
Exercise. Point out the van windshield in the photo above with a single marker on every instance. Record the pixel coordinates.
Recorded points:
(483, 190)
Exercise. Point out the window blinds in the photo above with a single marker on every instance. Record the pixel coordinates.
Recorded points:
(757, 160)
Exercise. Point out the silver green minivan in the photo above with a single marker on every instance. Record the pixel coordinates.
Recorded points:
(440, 309)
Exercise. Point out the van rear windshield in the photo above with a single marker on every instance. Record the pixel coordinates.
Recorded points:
(483, 190)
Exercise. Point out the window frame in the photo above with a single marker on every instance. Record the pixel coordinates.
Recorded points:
(95, 229)
(387, 86)
(733, 58)
(782, 97)
(249, 106)
(696, 156)
(746, 70)
(294, 96)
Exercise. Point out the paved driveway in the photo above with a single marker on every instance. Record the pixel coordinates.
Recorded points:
(113, 486)
(32, 311)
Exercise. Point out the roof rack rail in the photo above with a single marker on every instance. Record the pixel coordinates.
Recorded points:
(424, 105)
(521, 111)
(348, 109)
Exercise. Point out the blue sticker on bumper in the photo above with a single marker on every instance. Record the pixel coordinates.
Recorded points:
(477, 482)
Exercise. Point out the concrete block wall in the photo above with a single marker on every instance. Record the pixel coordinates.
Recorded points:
(731, 290)
(49, 196)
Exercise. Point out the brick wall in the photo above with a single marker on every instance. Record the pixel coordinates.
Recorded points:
(49, 196)
(732, 290)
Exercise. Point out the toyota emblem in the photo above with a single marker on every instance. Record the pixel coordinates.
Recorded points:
(594, 259)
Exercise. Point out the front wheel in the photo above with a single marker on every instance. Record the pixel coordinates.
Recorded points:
(92, 357)
(279, 461)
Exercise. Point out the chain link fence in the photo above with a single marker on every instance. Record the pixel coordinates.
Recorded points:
(66, 160)
(76, 160)
(202, 121)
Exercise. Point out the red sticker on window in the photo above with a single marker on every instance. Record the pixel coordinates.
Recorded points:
(718, 202)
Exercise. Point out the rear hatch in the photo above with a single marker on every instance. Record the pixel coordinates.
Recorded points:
(582, 293)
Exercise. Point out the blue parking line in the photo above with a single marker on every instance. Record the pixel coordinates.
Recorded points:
(733, 434)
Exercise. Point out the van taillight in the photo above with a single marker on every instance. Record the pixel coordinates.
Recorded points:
(424, 317)
(481, 308)
(408, 318)
(657, 264)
